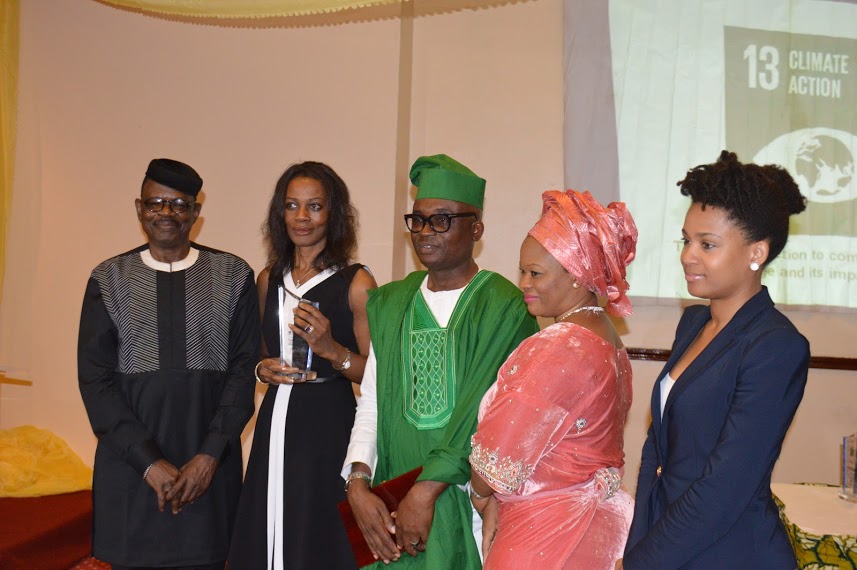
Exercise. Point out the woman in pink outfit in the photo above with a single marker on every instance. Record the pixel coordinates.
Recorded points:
(547, 454)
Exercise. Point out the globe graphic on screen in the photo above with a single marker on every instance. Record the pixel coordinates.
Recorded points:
(826, 166)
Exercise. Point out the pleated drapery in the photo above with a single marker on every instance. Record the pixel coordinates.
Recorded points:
(243, 8)
(9, 25)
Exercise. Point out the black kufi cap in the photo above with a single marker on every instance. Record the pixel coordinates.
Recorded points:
(176, 175)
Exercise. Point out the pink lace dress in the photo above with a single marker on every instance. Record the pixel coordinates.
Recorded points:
(549, 442)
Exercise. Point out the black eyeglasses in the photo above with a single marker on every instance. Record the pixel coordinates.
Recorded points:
(178, 206)
(437, 222)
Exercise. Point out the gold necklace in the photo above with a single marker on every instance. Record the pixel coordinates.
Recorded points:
(301, 278)
(594, 309)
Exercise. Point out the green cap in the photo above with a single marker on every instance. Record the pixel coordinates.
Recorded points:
(442, 177)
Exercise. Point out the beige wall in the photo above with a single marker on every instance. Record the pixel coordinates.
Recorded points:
(102, 91)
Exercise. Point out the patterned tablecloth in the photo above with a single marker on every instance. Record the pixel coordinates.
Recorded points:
(821, 526)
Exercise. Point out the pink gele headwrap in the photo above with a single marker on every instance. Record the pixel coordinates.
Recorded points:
(595, 244)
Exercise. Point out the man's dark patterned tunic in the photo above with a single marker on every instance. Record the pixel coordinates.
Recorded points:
(165, 365)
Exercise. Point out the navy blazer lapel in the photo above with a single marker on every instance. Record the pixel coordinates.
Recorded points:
(734, 330)
(684, 336)
(679, 346)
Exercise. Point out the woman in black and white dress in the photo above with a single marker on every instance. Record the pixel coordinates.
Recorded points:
(287, 516)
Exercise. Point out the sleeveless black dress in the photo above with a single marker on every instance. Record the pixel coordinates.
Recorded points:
(318, 427)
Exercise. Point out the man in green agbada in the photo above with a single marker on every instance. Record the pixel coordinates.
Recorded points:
(438, 339)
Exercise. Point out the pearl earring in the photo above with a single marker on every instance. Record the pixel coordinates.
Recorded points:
(754, 266)
(575, 284)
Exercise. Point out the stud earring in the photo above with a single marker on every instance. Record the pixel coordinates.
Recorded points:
(575, 284)
(754, 266)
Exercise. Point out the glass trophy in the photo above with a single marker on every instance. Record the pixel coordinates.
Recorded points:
(849, 468)
(301, 353)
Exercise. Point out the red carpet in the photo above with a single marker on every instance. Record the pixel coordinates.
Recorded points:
(46, 533)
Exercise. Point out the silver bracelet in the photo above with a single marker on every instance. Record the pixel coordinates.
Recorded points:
(357, 475)
(146, 472)
(256, 373)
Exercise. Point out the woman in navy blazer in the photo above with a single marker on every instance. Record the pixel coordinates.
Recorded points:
(724, 400)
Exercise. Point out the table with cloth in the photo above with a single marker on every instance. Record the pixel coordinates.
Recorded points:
(821, 526)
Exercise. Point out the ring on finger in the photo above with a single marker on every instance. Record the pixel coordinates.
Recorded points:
(309, 329)
(416, 543)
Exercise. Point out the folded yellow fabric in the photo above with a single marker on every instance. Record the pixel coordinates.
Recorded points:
(36, 462)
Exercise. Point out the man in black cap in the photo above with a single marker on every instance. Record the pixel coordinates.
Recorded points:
(169, 335)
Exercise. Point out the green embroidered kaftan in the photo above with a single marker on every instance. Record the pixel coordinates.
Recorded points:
(430, 381)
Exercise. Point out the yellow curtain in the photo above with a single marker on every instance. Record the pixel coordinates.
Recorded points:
(243, 8)
(9, 10)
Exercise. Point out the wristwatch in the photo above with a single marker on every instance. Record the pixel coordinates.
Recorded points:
(346, 364)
